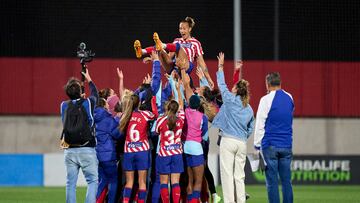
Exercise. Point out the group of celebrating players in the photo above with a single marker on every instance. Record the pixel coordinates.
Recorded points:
(159, 132)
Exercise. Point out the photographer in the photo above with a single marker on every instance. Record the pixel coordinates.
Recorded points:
(78, 138)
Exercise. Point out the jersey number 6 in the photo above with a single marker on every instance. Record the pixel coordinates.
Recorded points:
(134, 134)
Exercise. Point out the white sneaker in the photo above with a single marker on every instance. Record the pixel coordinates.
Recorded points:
(215, 198)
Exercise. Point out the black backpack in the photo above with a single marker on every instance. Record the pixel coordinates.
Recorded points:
(77, 131)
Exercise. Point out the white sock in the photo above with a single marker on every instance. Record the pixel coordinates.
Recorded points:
(214, 196)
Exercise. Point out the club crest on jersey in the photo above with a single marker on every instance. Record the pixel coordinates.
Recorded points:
(186, 45)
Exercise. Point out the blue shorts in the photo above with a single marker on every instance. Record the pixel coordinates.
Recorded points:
(169, 164)
(188, 71)
(136, 161)
(194, 160)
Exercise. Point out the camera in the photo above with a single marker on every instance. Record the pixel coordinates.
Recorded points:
(84, 55)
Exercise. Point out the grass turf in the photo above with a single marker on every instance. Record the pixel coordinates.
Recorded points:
(308, 194)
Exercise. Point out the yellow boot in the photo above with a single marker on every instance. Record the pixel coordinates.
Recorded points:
(158, 43)
(137, 47)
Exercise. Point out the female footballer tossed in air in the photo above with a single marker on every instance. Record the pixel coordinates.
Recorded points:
(169, 160)
(136, 150)
(185, 47)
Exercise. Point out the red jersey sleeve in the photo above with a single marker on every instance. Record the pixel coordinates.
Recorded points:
(159, 123)
(181, 115)
(198, 48)
(148, 116)
(236, 77)
(154, 106)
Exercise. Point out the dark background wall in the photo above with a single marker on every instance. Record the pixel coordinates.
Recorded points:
(319, 47)
(308, 30)
(43, 28)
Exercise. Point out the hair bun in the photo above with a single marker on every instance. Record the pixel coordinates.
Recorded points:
(191, 21)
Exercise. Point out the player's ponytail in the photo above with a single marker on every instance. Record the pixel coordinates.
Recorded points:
(243, 90)
(208, 108)
(171, 109)
(105, 93)
(129, 107)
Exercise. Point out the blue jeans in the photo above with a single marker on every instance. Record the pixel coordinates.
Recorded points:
(278, 162)
(84, 158)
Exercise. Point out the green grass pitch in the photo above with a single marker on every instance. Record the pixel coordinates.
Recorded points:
(302, 194)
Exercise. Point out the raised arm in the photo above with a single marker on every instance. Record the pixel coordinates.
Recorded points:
(225, 93)
(121, 82)
(172, 84)
(154, 107)
(237, 72)
(180, 99)
(186, 79)
(156, 73)
(94, 95)
(202, 79)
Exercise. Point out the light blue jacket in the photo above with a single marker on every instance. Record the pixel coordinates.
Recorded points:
(233, 119)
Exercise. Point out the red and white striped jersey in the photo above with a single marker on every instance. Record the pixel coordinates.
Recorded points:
(137, 132)
(170, 141)
(191, 46)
